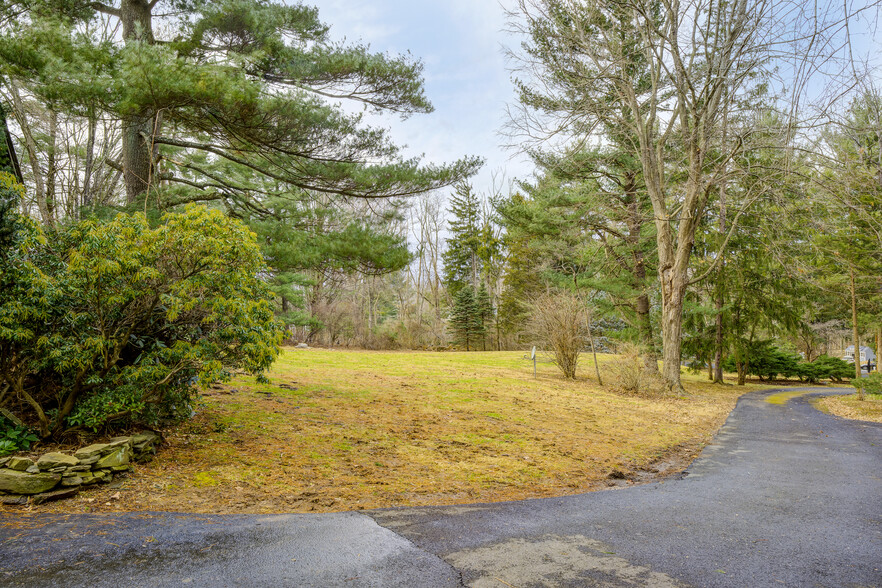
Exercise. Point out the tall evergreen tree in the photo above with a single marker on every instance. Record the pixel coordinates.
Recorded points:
(522, 279)
(237, 104)
(462, 259)
(588, 223)
(848, 230)
(485, 312)
(225, 90)
(465, 319)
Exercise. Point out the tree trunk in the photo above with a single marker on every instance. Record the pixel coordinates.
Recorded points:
(137, 157)
(878, 346)
(673, 290)
(137, 151)
(498, 335)
(90, 158)
(673, 256)
(370, 301)
(742, 372)
(594, 352)
(721, 283)
(52, 167)
(855, 337)
(31, 149)
(718, 342)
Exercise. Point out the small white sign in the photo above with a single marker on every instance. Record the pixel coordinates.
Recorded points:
(533, 353)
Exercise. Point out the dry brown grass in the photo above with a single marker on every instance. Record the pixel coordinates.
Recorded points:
(851, 407)
(346, 430)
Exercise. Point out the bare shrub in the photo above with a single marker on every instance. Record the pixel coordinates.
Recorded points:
(558, 323)
(629, 374)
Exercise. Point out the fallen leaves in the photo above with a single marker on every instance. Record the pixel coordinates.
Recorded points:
(851, 407)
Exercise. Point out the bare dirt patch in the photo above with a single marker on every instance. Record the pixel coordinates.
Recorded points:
(349, 430)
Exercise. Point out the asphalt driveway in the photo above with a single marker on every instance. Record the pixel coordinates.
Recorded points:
(785, 496)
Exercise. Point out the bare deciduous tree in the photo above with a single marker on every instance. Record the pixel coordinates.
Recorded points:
(670, 74)
(559, 324)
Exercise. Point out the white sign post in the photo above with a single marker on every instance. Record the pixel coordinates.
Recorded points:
(533, 357)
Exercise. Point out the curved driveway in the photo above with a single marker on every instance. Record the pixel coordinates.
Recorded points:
(785, 496)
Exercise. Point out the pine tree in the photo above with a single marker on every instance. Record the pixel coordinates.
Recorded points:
(221, 93)
(847, 236)
(238, 104)
(522, 279)
(462, 260)
(465, 318)
(586, 223)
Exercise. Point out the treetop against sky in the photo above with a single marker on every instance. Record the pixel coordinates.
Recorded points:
(468, 79)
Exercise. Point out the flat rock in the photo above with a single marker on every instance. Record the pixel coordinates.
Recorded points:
(72, 481)
(142, 440)
(91, 451)
(119, 456)
(56, 495)
(16, 482)
(54, 460)
(19, 464)
(14, 500)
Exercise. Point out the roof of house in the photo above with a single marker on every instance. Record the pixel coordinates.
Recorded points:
(867, 351)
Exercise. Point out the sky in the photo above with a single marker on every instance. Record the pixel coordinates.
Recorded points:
(460, 43)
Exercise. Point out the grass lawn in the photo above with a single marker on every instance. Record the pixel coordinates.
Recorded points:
(850, 407)
(346, 430)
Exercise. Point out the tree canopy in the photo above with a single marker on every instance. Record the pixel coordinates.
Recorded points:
(234, 101)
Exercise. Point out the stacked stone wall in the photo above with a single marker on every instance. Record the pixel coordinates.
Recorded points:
(58, 475)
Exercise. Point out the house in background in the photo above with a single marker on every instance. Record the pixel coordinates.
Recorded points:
(867, 359)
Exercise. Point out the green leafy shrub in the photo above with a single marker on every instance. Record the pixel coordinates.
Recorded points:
(767, 362)
(831, 368)
(115, 321)
(15, 437)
